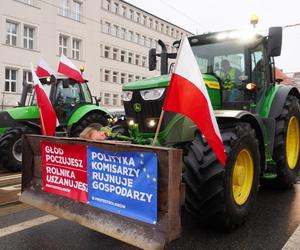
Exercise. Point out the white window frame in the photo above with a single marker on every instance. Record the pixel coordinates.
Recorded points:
(28, 41)
(107, 75)
(107, 99)
(115, 99)
(10, 34)
(115, 77)
(77, 9)
(115, 54)
(62, 46)
(107, 51)
(64, 8)
(11, 82)
(76, 48)
(27, 76)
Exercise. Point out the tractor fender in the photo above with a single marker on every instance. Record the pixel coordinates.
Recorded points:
(85, 109)
(280, 98)
(230, 116)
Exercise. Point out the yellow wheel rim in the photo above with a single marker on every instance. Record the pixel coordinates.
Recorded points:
(242, 179)
(292, 142)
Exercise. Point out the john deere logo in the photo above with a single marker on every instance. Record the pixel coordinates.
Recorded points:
(137, 107)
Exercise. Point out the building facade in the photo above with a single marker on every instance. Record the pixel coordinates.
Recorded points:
(111, 38)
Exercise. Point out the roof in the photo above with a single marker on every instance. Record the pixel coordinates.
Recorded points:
(157, 17)
(285, 78)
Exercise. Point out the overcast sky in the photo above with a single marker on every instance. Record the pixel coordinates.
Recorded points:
(215, 15)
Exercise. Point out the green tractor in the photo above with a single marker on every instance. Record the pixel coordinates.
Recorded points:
(258, 119)
(75, 109)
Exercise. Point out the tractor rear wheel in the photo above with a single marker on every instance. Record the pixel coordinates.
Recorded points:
(11, 147)
(218, 195)
(287, 143)
(90, 118)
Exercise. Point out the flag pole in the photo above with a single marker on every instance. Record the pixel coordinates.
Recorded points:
(158, 127)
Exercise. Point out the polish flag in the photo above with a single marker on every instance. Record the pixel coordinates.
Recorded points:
(188, 95)
(67, 68)
(44, 70)
(47, 112)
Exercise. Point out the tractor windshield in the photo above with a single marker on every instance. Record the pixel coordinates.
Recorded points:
(226, 60)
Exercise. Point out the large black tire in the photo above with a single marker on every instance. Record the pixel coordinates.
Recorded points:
(90, 118)
(11, 147)
(286, 155)
(209, 186)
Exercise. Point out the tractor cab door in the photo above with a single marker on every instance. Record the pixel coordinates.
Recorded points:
(260, 74)
(68, 96)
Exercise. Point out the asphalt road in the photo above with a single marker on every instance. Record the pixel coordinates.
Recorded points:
(273, 220)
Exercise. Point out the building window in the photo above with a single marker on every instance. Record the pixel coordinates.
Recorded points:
(138, 17)
(64, 7)
(106, 98)
(106, 27)
(144, 20)
(144, 61)
(150, 23)
(115, 100)
(76, 49)
(27, 77)
(106, 4)
(137, 78)
(137, 60)
(130, 56)
(130, 35)
(123, 56)
(115, 30)
(156, 27)
(63, 45)
(116, 8)
(10, 80)
(123, 77)
(11, 33)
(77, 10)
(115, 54)
(106, 75)
(28, 37)
(122, 33)
(107, 52)
(130, 78)
(131, 15)
(115, 76)
(124, 11)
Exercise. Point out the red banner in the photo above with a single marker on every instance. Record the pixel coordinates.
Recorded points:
(64, 170)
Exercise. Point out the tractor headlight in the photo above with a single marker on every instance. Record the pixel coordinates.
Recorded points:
(152, 94)
(151, 122)
(127, 95)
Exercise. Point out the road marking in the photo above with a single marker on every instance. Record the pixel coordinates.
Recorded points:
(11, 188)
(26, 225)
(10, 177)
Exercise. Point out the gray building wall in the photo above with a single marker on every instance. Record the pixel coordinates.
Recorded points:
(111, 38)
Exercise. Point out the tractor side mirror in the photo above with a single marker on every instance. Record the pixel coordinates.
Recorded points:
(274, 41)
(152, 59)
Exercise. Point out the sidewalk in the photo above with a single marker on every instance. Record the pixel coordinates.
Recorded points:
(294, 241)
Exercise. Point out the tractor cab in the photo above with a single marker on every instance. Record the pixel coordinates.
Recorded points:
(67, 96)
(241, 63)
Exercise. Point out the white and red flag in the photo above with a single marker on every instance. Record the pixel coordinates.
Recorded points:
(67, 68)
(44, 70)
(47, 113)
(188, 95)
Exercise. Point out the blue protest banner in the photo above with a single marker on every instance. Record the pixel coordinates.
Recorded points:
(124, 183)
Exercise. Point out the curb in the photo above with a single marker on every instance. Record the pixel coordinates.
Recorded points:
(293, 242)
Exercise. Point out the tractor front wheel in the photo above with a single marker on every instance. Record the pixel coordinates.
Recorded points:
(89, 119)
(11, 147)
(287, 143)
(217, 194)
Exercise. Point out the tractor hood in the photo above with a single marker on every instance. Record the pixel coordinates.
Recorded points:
(150, 83)
(163, 81)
